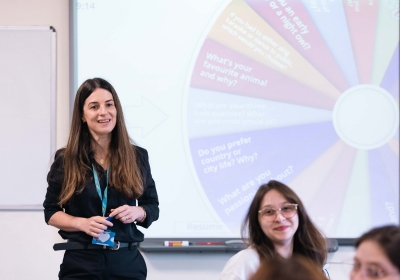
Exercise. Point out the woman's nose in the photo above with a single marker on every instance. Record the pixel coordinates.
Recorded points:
(356, 275)
(279, 216)
(103, 110)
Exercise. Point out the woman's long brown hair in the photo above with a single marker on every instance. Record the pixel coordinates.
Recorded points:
(307, 240)
(124, 175)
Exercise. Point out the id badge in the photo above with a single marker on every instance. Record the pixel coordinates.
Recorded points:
(106, 238)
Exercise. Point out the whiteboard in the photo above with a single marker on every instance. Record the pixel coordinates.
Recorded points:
(28, 94)
(228, 94)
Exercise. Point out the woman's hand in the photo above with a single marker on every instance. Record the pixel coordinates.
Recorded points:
(95, 225)
(128, 214)
(92, 226)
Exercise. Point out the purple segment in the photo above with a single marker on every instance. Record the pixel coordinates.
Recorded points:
(383, 195)
(292, 22)
(394, 90)
(390, 161)
(392, 72)
(330, 20)
(248, 159)
(397, 135)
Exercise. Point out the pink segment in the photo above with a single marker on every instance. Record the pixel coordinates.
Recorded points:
(361, 23)
(219, 68)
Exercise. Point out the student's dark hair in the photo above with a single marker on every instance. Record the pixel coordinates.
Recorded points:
(124, 175)
(388, 238)
(296, 268)
(307, 241)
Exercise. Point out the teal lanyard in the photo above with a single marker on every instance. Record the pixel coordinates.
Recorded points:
(97, 183)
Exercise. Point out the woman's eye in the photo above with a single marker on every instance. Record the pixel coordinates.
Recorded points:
(269, 212)
(356, 266)
(375, 272)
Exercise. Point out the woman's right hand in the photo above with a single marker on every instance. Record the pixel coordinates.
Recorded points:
(95, 225)
(92, 226)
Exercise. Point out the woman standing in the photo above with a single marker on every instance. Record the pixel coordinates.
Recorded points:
(276, 225)
(100, 174)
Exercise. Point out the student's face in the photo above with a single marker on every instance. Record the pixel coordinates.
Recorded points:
(99, 113)
(278, 229)
(370, 262)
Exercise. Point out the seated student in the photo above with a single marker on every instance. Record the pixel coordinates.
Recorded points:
(296, 268)
(276, 225)
(378, 254)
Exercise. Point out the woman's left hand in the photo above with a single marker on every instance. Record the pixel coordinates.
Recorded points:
(127, 214)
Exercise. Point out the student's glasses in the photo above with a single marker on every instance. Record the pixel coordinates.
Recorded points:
(287, 211)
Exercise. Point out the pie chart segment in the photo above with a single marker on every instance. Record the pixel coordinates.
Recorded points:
(226, 163)
(389, 162)
(215, 113)
(390, 80)
(356, 209)
(221, 69)
(238, 21)
(327, 204)
(386, 39)
(294, 24)
(393, 144)
(307, 183)
(385, 197)
(324, 14)
(394, 90)
(361, 16)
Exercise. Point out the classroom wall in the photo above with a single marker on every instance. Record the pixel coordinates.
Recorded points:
(26, 249)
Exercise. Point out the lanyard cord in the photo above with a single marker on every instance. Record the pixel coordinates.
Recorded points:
(103, 199)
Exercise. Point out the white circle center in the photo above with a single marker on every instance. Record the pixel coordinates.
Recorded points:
(366, 117)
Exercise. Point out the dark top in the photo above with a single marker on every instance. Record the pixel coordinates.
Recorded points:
(88, 204)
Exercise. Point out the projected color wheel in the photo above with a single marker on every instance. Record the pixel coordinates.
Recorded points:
(304, 92)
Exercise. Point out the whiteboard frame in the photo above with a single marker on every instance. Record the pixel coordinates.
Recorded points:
(37, 205)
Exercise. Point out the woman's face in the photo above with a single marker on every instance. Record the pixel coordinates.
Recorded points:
(99, 113)
(371, 262)
(278, 229)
